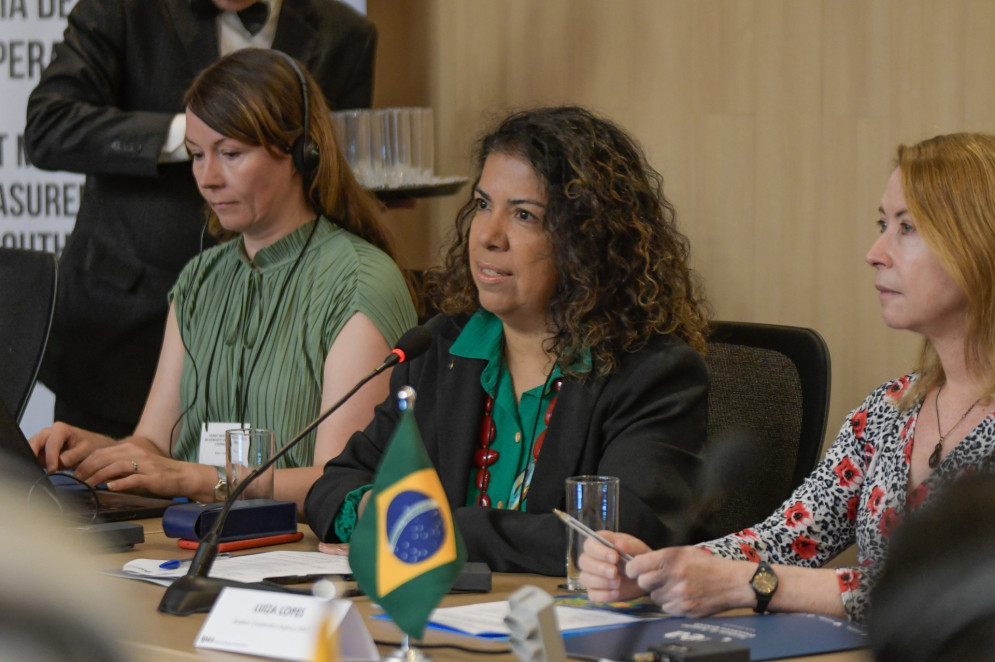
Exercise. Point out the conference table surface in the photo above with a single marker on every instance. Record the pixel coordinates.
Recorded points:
(169, 638)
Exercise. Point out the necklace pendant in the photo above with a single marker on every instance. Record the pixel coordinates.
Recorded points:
(934, 457)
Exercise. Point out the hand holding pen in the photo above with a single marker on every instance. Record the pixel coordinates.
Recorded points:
(580, 527)
(606, 576)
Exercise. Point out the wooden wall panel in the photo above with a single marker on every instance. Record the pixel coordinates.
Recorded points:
(773, 122)
(723, 56)
(724, 250)
(856, 57)
(789, 58)
(979, 53)
(788, 190)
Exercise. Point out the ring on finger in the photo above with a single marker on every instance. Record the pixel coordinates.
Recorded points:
(134, 466)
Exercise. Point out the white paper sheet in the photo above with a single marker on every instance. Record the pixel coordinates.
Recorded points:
(245, 568)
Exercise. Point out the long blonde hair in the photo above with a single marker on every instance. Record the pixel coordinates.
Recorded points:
(949, 186)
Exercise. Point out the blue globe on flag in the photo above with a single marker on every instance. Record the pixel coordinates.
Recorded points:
(416, 528)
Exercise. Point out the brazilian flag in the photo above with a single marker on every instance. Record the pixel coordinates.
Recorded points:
(405, 551)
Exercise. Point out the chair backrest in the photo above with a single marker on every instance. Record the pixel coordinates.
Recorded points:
(27, 300)
(770, 386)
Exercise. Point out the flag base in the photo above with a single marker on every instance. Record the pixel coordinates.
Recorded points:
(406, 653)
(191, 595)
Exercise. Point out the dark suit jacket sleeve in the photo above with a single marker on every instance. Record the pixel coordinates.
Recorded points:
(357, 89)
(75, 120)
(336, 44)
(644, 424)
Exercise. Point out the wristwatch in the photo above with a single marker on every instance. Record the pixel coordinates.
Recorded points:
(764, 584)
(221, 488)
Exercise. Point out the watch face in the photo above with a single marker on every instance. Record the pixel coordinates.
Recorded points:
(765, 582)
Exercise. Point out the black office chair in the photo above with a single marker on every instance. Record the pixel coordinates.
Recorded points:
(27, 300)
(769, 392)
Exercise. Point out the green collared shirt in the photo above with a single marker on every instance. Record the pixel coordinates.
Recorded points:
(483, 338)
(517, 425)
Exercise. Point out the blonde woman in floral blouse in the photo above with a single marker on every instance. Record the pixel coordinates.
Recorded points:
(934, 266)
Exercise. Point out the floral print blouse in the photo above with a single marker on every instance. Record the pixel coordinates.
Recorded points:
(858, 493)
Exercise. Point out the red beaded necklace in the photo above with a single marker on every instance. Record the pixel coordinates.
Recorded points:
(485, 456)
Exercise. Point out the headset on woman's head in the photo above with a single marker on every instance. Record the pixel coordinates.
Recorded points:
(304, 151)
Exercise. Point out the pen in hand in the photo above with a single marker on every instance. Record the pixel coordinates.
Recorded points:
(173, 564)
(580, 527)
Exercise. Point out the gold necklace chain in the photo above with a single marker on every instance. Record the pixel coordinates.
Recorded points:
(934, 457)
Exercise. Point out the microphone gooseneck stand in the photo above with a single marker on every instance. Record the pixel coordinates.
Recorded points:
(195, 591)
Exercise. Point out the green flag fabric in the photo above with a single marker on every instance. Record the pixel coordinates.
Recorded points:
(405, 551)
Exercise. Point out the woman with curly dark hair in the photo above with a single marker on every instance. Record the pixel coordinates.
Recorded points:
(568, 308)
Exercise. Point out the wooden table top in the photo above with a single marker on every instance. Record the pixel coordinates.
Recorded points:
(165, 638)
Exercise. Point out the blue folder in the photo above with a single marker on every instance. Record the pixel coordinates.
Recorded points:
(769, 636)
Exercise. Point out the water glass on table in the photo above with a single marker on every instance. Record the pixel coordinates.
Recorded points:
(594, 501)
(245, 450)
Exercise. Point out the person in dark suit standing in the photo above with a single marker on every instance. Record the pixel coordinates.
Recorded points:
(110, 105)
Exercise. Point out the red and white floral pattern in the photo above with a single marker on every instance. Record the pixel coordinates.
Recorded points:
(858, 494)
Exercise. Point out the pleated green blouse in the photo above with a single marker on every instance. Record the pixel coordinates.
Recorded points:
(257, 332)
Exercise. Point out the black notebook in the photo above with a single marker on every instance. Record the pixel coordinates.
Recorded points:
(65, 494)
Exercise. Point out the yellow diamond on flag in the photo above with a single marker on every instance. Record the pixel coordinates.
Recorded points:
(415, 534)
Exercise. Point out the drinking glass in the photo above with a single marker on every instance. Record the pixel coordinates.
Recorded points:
(245, 450)
(594, 501)
(356, 143)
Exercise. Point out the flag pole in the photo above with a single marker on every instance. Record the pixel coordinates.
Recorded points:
(406, 401)
(406, 398)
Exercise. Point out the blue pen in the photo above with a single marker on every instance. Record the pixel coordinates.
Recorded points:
(173, 564)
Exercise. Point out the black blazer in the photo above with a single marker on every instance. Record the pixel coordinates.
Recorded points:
(645, 423)
(103, 107)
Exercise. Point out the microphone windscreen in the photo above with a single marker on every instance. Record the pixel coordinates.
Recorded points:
(728, 457)
(413, 343)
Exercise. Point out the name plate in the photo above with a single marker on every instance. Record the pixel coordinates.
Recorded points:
(284, 625)
(212, 442)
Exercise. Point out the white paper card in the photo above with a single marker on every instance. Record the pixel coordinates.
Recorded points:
(282, 625)
(212, 442)
(486, 619)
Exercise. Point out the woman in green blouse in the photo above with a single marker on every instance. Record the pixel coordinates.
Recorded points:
(272, 326)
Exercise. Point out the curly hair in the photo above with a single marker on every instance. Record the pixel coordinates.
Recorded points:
(254, 96)
(622, 265)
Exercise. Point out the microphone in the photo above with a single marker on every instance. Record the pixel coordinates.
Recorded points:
(412, 344)
(195, 591)
(728, 458)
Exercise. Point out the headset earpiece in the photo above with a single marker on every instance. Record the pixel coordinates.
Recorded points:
(306, 156)
(304, 151)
